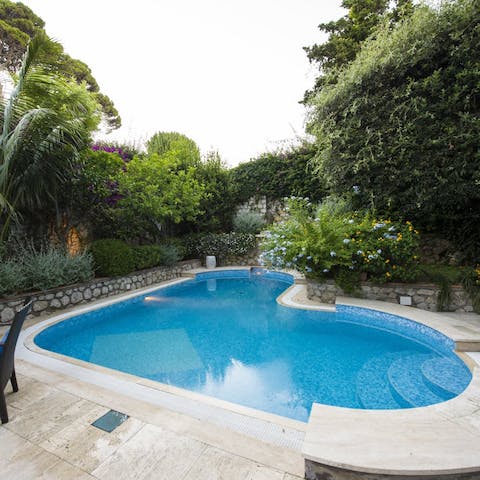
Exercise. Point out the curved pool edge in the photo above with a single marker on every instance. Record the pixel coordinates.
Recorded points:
(433, 442)
(436, 440)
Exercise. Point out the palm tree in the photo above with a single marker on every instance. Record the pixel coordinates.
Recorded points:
(44, 123)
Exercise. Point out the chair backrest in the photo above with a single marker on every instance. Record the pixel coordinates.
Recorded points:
(8, 351)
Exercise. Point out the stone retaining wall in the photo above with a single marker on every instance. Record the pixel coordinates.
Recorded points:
(58, 299)
(423, 296)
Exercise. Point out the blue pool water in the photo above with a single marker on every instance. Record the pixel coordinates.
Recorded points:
(224, 335)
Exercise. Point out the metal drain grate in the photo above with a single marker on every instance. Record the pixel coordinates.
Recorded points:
(110, 421)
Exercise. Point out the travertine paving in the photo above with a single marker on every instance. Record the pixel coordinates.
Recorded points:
(50, 436)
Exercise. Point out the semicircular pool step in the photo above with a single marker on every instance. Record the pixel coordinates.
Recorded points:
(407, 382)
(373, 386)
(446, 377)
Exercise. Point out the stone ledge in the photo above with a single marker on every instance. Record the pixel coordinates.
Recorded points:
(61, 298)
(423, 295)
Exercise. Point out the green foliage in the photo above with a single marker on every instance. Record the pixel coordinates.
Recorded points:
(471, 284)
(54, 267)
(400, 126)
(178, 146)
(112, 257)
(278, 175)
(222, 245)
(149, 256)
(33, 269)
(146, 256)
(169, 255)
(329, 242)
(18, 24)
(12, 277)
(216, 204)
(346, 35)
(155, 190)
(44, 123)
(248, 222)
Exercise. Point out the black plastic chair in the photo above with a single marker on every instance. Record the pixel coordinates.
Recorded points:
(7, 356)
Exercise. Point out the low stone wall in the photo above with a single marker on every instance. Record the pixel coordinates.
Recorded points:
(424, 296)
(57, 299)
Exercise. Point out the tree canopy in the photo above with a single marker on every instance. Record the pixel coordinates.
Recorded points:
(18, 24)
(399, 128)
(346, 35)
(44, 123)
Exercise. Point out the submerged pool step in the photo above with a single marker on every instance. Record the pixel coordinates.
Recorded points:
(408, 385)
(445, 376)
(373, 388)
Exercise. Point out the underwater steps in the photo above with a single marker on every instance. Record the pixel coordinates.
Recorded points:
(406, 380)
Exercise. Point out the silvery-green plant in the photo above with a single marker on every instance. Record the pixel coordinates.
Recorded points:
(248, 222)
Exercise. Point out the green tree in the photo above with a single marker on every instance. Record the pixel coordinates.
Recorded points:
(44, 123)
(401, 124)
(18, 24)
(181, 149)
(156, 192)
(216, 203)
(346, 35)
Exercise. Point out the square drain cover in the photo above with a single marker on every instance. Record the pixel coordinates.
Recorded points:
(110, 421)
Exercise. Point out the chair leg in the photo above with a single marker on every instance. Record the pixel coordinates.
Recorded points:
(13, 381)
(3, 408)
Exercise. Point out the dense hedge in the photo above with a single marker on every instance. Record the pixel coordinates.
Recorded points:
(278, 175)
(222, 245)
(399, 130)
(114, 257)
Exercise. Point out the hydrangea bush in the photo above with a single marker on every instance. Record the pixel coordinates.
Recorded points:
(331, 242)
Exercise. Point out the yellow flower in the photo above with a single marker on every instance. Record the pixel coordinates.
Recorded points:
(394, 267)
(387, 260)
(388, 275)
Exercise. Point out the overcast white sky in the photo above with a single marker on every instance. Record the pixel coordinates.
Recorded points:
(227, 73)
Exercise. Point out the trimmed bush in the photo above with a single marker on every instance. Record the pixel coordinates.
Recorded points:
(112, 257)
(222, 245)
(248, 222)
(147, 256)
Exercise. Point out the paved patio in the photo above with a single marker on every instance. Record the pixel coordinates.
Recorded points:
(50, 436)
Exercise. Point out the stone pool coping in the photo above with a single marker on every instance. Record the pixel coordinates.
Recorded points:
(436, 440)
(440, 439)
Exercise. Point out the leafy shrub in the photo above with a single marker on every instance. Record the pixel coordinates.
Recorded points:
(248, 222)
(332, 243)
(112, 257)
(222, 245)
(33, 269)
(54, 267)
(278, 175)
(12, 277)
(146, 256)
(169, 255)
(149, 256)
(399, 128)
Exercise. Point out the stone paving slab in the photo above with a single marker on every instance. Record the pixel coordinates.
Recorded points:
(50, 436)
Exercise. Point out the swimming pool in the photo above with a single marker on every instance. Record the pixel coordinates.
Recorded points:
(224, 335)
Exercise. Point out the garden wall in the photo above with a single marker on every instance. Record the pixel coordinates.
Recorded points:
(57, 299)
(424, 296)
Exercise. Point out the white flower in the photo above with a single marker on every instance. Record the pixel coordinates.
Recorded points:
(379, 251)
(351, 221)
(346, 241)
(359, 252)
(333, 254)
(326, 270)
